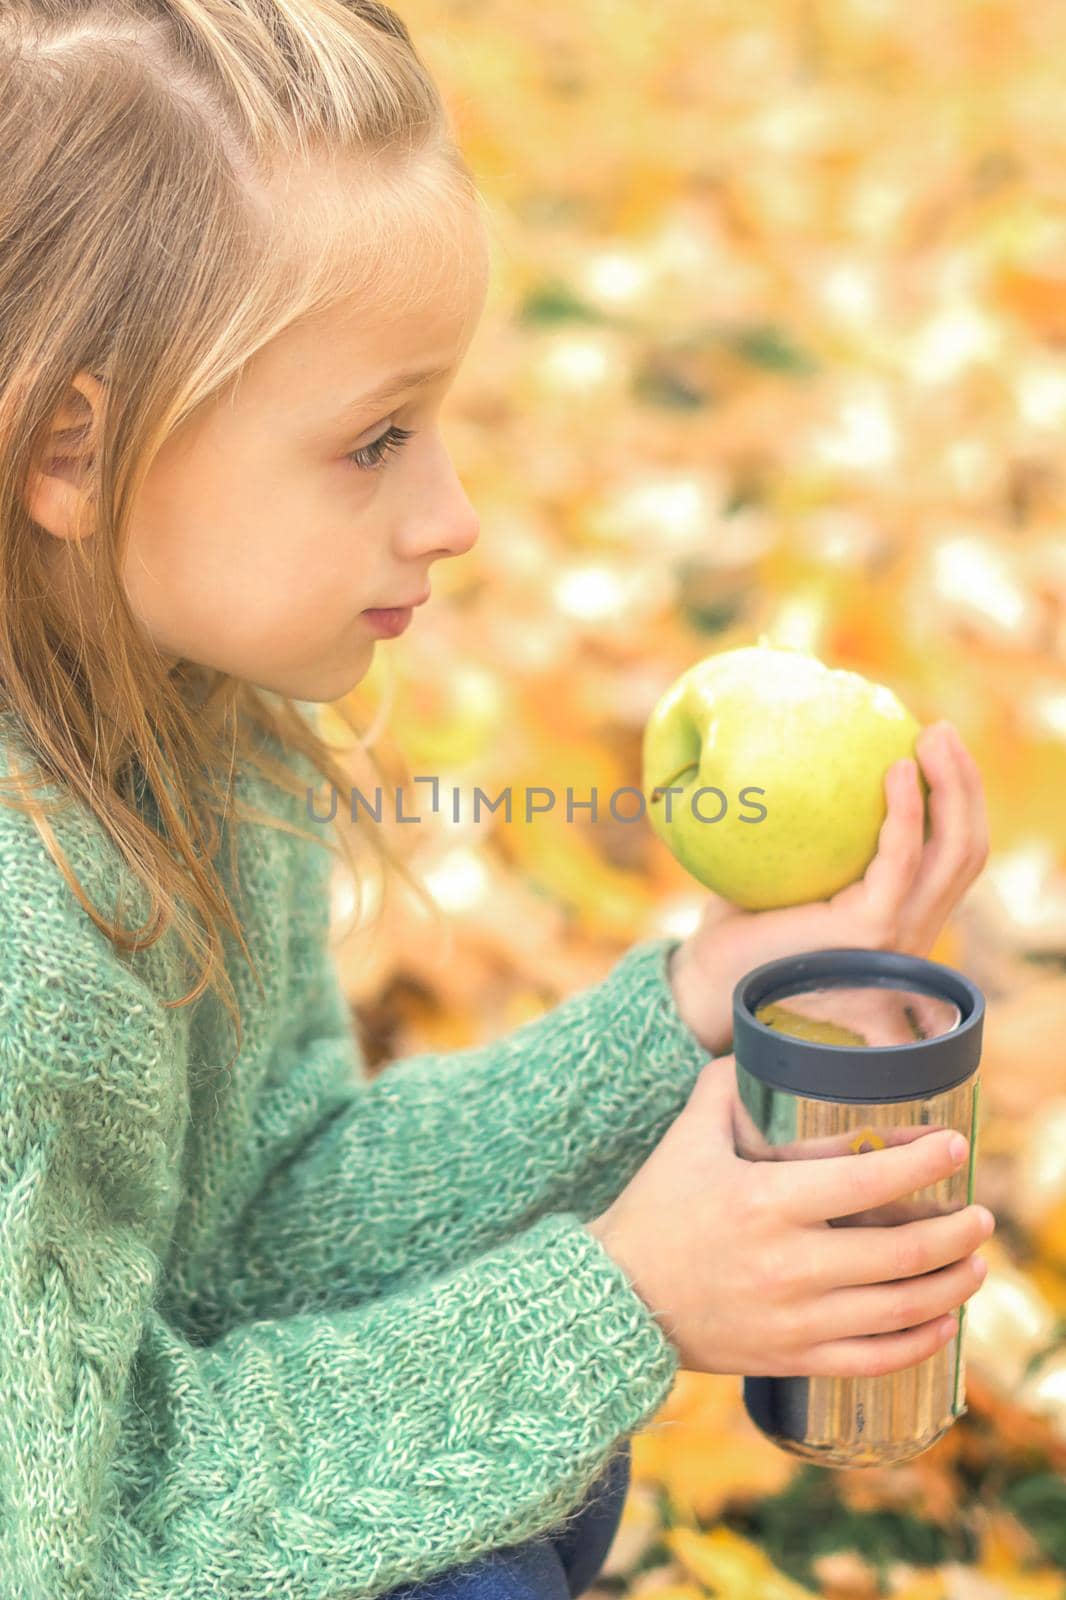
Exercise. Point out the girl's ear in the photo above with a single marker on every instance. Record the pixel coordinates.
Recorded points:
(56, 493)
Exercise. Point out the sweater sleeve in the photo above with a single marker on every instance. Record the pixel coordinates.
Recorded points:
(443, 1155)
(293, 1456)
(296, 1456)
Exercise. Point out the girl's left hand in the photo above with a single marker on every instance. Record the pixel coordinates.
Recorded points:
(908, 892)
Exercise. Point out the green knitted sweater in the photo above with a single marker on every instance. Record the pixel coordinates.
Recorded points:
(283, 1331)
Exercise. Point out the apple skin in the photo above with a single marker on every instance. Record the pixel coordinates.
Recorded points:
(818, 741)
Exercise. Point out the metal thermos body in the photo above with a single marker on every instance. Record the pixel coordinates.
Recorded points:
(850, 1050)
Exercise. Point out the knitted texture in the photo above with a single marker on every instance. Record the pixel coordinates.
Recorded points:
(277, 1330)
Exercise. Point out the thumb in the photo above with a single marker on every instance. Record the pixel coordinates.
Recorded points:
(713, 1097)
(718, 1103)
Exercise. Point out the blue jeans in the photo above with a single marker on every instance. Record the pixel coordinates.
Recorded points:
(555, 1566)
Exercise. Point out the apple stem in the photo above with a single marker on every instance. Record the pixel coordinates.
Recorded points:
(658, 792)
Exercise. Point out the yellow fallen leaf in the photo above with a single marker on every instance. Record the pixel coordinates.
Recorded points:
(732, 1565)
(1045, 1584)
(973, 1583)
(708, 1468)
(1005, 1543)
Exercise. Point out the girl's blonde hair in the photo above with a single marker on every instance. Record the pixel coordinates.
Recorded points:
(180, 181)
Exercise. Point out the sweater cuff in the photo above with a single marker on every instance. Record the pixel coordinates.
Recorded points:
(587, 1294)
(639, 985)
(542, 1340)
(469, 1412)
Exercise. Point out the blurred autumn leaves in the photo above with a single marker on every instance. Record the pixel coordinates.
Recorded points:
(776, 343)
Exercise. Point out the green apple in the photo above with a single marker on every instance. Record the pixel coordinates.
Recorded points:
(791, 756)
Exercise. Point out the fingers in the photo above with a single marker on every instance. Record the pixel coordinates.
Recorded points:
(837, 1186)
(713, 1098)
(958, 845)
(875, 1354)
(950, 803)
(971, 777)
(890, 1307)
(931, 1269)
(912, 884)
(889, 878)
(841, 1257)
(752, 1145)
(848, 1141)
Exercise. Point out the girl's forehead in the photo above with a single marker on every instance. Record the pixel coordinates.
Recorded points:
(376, 277)
(396, 252)
(431, 287)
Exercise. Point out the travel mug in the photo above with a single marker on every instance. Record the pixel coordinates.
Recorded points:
(850, 1050)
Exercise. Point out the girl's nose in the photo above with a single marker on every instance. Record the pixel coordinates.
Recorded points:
(450, 532)
(444, 522)
(458, 532)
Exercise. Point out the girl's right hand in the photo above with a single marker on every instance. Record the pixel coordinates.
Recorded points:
(740, 1264)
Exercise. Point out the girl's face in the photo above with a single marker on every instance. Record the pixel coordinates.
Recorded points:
(271, 522)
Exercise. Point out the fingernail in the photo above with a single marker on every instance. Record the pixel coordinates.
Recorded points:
(957, 1148)
(980, 1268)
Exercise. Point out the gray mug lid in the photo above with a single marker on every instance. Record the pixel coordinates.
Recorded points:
(858, 1072)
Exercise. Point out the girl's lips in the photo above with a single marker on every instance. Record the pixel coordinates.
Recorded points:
(389, 621)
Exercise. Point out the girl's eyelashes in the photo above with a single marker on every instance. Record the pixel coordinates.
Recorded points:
(372, 456)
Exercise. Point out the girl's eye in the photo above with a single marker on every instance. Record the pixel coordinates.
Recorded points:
(371, 456)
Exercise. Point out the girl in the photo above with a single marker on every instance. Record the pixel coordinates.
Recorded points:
(269, 1328)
